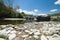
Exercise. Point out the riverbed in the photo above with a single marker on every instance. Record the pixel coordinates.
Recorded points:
(32, 31)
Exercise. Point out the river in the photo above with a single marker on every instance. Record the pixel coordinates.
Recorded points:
(4, 22)
(14, 21)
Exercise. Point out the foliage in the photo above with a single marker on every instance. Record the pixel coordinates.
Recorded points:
(55, 14)
(9, 12)
(56, 19)
(41, 18)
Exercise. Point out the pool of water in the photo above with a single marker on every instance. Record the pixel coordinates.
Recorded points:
(4, 22)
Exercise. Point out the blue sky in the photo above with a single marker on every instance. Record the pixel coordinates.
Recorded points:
(40, 6)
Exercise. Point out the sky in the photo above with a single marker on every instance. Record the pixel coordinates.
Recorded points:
(37, 7)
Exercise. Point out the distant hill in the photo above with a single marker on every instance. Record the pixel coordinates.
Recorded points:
(55, 17)
(55, 14)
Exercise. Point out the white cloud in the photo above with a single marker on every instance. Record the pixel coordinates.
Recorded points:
(53, 10)
(57, 2)
(42, 14)
(27, 12)
(19, 10)
(35, 10)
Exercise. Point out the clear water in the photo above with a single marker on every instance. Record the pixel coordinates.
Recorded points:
(4, 22)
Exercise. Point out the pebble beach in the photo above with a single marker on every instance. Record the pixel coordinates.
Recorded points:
(31, 31)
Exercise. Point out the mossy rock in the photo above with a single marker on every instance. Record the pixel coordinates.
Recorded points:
(3, 37)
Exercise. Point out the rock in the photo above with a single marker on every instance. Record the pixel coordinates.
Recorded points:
(36, 37)
(43, 37)
(12, 36)
(37, 33)
(24, 36)
(2, 39)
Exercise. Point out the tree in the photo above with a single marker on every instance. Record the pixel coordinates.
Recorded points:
(9, 2)
(2, 1)
(7, 11)
(20, 15)
(2, 8)
(42, 18)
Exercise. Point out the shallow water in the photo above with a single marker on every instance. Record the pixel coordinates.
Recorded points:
(4, 22)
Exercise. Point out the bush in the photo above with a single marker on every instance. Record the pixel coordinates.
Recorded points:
(40, 18)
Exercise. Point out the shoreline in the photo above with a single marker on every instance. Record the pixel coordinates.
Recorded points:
(31, 31)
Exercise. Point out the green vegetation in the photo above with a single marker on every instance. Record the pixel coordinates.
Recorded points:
(55, 14)
(7, 11)
(57, 19)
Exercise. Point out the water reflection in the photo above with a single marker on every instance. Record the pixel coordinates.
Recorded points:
(4, 22)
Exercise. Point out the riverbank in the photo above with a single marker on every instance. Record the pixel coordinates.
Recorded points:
(32, 31)
(13, 19)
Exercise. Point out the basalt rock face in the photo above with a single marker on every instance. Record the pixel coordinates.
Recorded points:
(42, 18)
